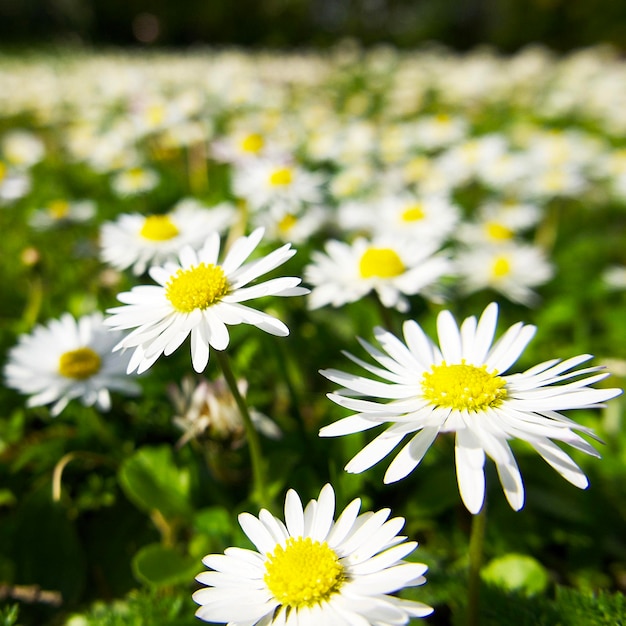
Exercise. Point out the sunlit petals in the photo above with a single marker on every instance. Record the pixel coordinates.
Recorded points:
(417, 392)
(364, 548)
(162, 319)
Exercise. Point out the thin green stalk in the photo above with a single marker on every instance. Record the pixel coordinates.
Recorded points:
(259, 490)
(477, 541)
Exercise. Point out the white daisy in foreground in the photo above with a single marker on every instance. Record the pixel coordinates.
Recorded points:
(461, 387)
(68, 359)
(392, 268)
(139, 241)
(199, 297)
(312, 570)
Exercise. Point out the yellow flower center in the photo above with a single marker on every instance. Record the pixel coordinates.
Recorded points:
(380, 263)
(287, 223)
(155, 114)
(158, 228)
(58, 209)
(3, 170)
(413, 213)
(252, 143)
(281, 177)
(501, 267)
(463, 387)
(135, 174)
(196, 288)
(80, 364)
(498, 231)
(303, 573)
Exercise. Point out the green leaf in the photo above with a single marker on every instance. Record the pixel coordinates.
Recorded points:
(157, 565)
(517, 572)
(151, 480)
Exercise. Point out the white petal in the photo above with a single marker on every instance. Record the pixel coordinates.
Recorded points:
(561, 462)
(449, 337)
(258, 534)
(411, 454)
(470, 461)
(373, 452)
(294, 516)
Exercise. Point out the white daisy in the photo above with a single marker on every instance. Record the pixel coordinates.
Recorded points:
(134, 180)
(279, 185)
(199, 297)
(14, 184)
(69, 359)
(312, 570)
(496, 223)
(139, 241)
(60, 211)
(392, 268)
(512, 269)
(461, 387)
(295, 227)
(22, 149)
(422, 218)
(241, 145)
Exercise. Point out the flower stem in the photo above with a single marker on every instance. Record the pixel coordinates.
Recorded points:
(477, 540)
(259, 490)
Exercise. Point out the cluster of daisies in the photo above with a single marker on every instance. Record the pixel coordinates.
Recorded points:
(387, 195)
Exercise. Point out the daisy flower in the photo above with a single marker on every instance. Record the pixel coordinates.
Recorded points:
(512, 269)
(138, 241)
(66, 359)
(403, 215)
(279, 185)
(14, 184)
(22, 148)
(393, 269)
(496, 223)
(295, 227)
(134, 180)
(461, 386)
(312, 570)
(199, 297)
(60, 212)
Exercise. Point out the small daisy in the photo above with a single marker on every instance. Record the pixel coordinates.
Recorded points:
(422, 218)
(69, 359)
(461, 387)
(138, 241)
(279, 185)
(512, 269)
(392, 268)
(22, 149)
(242, 145)
(312, 570)
(295, 227)
(14, 184)
(134, 181)
(59, 211)
(496, 223)
(199, 297)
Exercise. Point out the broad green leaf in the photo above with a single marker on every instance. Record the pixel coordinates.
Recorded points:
(517, 572)
(157, 565)
(151, 480)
